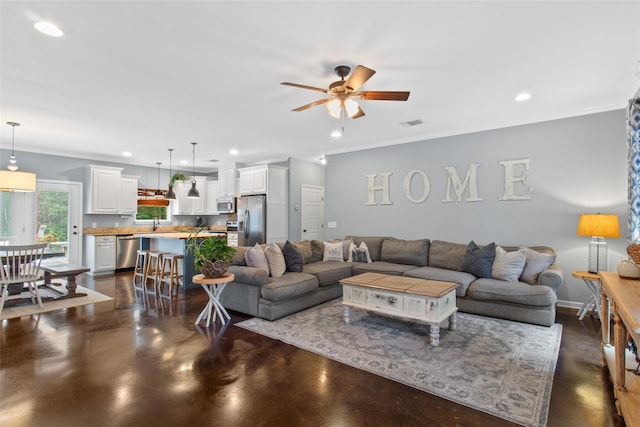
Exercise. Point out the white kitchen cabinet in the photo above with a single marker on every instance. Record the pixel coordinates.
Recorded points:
(183, 205)
(110, 192)
(100, 254)
(103, 183)
(213, 191)
(128, 195)
(253, 180)
(227, 180)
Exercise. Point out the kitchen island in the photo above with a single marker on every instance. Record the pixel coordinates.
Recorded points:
(175, 242)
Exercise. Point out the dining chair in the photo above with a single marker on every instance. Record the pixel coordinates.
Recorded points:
(21, 264)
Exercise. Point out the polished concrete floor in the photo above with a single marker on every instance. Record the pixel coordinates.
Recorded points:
(115, 364)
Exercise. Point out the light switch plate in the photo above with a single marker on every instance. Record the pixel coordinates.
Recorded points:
(332, 224)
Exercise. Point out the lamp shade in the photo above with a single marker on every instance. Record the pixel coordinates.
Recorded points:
(17, 181)
(599, 225)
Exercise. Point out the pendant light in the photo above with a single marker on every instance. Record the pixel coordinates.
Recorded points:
(158, 191)
(170, 194)
(11, 180)
(193, 193)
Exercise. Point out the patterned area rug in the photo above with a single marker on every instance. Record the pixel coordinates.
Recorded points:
(496, 366)
(24, 306)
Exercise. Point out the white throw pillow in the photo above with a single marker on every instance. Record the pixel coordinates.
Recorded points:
(361, 253)
(255, 257)
(275, 259)
(352, 246)
(508, 265)
(535, 263)
(332, 251)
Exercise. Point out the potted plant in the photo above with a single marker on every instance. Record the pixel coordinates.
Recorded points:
(211, 255)
(178, 176)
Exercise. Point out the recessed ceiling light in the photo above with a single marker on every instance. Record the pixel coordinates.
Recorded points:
(336, 134)
(523, 96)
(323, 160)
(126, 154)
(48, 28)
(233, 152)
(184, 162)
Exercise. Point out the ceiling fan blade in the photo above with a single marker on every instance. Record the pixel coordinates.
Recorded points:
(313, 104)
(358, 113)
(383, 95)
(319, 89)
(359, 77)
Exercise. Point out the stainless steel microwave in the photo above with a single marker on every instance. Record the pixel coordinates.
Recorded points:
(226, 204)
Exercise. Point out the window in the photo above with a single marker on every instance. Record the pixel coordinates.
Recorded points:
(151, 212)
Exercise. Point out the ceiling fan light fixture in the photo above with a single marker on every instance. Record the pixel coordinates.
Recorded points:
(351, 107)
(334, 107)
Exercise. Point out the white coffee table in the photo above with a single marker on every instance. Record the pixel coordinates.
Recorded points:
(429, 301)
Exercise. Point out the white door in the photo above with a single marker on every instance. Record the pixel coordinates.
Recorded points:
(312, 212)
(59, 216)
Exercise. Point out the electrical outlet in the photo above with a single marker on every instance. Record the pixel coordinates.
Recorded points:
(94, 225)
(117, 224)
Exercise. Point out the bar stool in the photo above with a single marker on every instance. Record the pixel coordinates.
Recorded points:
(139, 272)
(170, 275)
(152, 275)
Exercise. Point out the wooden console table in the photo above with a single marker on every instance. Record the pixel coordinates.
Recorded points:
(624, 296)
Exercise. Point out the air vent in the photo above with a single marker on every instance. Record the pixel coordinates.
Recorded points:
(412, 123)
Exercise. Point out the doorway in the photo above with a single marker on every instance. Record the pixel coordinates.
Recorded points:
(59, 217)
(312, 212)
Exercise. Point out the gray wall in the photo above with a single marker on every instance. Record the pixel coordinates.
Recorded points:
(577, 165)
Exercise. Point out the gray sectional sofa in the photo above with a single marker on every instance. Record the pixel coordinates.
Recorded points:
(529, 298)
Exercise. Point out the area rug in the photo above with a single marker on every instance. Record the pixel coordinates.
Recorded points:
(496, 366)
(13, 309)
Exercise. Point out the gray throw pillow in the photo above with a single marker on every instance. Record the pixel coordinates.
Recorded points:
(479, 260)
(292, 257)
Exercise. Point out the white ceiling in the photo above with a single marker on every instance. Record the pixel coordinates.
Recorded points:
(146, 76)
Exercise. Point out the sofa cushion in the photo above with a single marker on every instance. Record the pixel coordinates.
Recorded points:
(329, 273)
(479, 260)
(381, 267)
(288, 286)
(346, 248)
(238, 258)
(432, 273)
(535, 263)
(374, 243)
(333, 251)
(508, 265)
(446, 255)
(255, 257)
(317, 250)
(412, 252)
(304, 246)
(517, 293)
(293, 258)
(249, 275)
(275, 259)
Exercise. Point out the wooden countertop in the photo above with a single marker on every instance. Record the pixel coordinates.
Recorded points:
(176, 235)
(119, 231)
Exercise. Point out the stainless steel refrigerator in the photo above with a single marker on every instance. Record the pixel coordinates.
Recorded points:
(252, 220)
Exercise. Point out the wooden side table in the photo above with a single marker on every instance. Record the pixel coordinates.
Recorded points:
(213, 287)
(592, 280)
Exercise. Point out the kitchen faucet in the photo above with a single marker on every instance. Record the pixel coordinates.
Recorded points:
(156, 223)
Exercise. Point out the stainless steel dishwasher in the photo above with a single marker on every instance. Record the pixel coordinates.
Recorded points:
(126, 251)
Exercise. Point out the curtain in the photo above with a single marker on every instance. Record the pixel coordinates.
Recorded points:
(633, 154)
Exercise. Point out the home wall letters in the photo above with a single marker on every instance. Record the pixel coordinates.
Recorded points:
(515, 173)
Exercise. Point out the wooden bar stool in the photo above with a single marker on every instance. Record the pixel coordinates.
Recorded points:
(139, 272)
(152, 275)
(170, 275)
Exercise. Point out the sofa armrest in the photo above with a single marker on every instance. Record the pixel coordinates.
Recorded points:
(552, 277)
(249, 275)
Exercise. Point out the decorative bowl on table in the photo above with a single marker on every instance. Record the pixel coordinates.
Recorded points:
(628, 269)
(214, 269)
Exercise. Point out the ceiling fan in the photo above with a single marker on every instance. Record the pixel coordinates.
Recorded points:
(344, 91)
